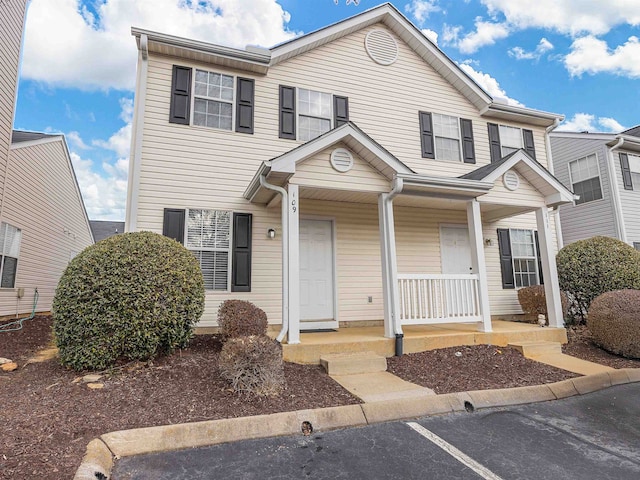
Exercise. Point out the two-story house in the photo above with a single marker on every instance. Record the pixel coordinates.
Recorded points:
(604, 170)
(43, 222)
(354, 175)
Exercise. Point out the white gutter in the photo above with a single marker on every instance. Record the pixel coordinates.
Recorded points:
(285, 255)
(556, 211)
(617, 203)
(398, 186)
(131, 215)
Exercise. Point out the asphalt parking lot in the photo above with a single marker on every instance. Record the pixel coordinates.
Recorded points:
(594, 436)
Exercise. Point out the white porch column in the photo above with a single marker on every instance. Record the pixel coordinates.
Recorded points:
(474, 220)
(549, 269)
(293, 217)
(389, 267)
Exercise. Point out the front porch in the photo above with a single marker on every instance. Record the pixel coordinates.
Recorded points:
(417, 338)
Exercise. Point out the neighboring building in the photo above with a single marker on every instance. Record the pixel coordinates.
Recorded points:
(102, 229)
(359, 161)
(43, 222)
(604, 170)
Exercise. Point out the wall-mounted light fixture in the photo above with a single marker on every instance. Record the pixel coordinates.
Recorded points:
(488, 242)
(271, 233)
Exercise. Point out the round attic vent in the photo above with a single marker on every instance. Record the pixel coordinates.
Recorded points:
(341, 160)
(511, 180)
(381, 47)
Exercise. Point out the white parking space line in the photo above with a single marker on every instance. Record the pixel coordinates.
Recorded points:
(454, 452)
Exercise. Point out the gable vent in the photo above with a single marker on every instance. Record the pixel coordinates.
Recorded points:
(381, 47)
(511, 180)
(341, 160)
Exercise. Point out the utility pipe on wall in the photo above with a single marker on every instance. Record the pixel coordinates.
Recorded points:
(613, 181)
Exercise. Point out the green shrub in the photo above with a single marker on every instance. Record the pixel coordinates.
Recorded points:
(129, 296)
(253, 364)
(614, 322)
(239, 318)
(588, 268)
(533, 301)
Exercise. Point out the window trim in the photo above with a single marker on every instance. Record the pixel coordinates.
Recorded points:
(599, 178)
(229, 250)
(6, 226)
(298, 114)
(459, 139)
(502, 144)
(233, 102)
(535, 258)
(635, 176)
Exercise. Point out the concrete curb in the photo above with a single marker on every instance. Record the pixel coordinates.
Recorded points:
(101, 452)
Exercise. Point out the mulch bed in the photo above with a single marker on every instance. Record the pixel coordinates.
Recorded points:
(48, 417)
(580, 345)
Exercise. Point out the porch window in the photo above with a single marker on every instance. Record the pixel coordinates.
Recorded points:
(524, 257)
(209, 238)
(585, 179)
(315, 113)
(510, 139)
(446, 130)
(213, 100)
(10, 238)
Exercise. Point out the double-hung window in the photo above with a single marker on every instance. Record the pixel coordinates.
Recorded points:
(315, 113)
(585, 179)
(510, 139)
(504, 140)
(10, 238)
(524, 257)
(446, 131)
(634, 168)
(209, 238)
(213, 100)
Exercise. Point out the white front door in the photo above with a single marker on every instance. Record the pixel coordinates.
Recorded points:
(455, 250)
(316, 275)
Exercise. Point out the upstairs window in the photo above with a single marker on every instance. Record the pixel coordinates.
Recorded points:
(213, 100)
(446, 130)
(634, 168)
(448, 138)
(504, 140)
(510, 139)
(315, 114)
(585, 179)
(10, 238)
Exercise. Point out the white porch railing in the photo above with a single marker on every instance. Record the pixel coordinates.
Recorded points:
(431, 299)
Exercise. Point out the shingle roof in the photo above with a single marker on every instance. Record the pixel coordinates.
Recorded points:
(633, 131)
(482, 172)
(103, 228)
(19, 136)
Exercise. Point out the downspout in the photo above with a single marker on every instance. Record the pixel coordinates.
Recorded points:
(398, 186)
(613, 180)
(285, 255)
(555, 212)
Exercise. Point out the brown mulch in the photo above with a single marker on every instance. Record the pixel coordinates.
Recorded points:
(47, 419)
(581, 345)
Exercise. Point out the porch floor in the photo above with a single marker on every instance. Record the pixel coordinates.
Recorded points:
(417, 338)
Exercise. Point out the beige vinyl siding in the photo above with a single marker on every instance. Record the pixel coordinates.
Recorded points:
(197, 167)
(630, 202)
(525, 194)
(11, 25)
(587, 219)
(43, 201)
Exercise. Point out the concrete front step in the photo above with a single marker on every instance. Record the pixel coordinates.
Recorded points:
(353, 363)
(537, 348)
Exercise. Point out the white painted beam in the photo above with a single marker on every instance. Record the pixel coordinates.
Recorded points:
(479, 264)
(293, 214)
(549, 270)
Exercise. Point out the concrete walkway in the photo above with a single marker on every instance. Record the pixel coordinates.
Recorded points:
(550, 353)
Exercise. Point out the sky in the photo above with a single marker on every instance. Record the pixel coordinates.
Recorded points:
(578, 58)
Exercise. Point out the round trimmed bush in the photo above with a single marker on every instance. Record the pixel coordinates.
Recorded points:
(614, 322)
(129, 296)
(239, 318)
(591, 267)
(253, 364)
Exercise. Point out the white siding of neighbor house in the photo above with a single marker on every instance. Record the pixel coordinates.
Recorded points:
(189, 166)
(11, 25)
(588, 219)
(42, 199)
(630, 202)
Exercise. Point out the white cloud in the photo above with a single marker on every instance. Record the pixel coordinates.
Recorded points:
(66, 45)
(431, 35)
(450, 34)
(487, 33)
(489, 84)
(421, 9)
(74, 139)
(120, 141)
(586, 122)
(543, 47)
(571, 17)
(592, 55)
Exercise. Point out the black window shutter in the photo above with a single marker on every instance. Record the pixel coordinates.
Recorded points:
(626, 172)
(506, 266)
(244, 107)
(287, 112)
(173, 224)
(426, 135)
(241, 262)
(529, 147)
(180, 95)
(494, 142)
(539, 255)
(468, 150)
(340, 110)
(9, 269)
